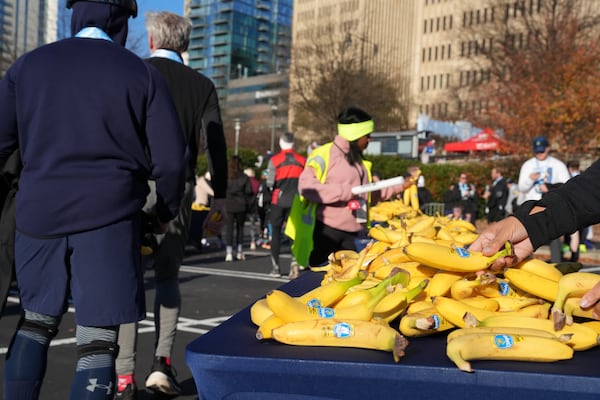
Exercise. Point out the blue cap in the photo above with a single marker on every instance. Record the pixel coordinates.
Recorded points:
(540, 144)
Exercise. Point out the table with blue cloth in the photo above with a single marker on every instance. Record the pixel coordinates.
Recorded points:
(229, 362)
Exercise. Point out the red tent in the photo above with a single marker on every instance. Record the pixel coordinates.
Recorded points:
(486, 140)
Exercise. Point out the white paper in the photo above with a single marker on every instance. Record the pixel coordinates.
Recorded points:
(373, 186)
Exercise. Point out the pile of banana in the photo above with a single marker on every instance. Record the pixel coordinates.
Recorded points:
(417, 278)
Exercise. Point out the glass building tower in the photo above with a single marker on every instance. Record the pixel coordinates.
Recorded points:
(239, 38)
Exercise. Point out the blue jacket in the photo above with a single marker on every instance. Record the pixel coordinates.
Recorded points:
(93, 122)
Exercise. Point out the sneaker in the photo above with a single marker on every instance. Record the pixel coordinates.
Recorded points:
(294, 271)
(565, 248)
(252, 246)
(275, 273)
(130, 393)
(162, 378)
(229, 257)
(582, 248)
(266, 246)
(240, 256)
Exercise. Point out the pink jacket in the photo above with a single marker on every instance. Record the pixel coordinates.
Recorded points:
(333, 195)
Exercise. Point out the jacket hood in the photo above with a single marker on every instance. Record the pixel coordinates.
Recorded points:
(111, 19)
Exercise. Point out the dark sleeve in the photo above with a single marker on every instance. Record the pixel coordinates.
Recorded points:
(216, 146)
(572, 206)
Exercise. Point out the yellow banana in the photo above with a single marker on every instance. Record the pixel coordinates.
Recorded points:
(423, 223)
(465, 238)
(531, 283)
(330, 293)
(512, 303)
(424, 323)
(582, 337)
(392, 256)
(419, 306)
(482, 302)
(497, 346)
(346, 333)
(414, 268)
(392, 305)
(398, 276)
(541, 268)
(455, 311)
(500, 288)
(452, 258)
(260, 311)
(459, 225)
(509, 330)
(441, 281)
(464, 288)
(594, 325)
(575, 284)
(290, 309)
(572, 308)
(265, 329)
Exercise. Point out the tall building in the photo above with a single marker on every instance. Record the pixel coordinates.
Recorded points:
(239, 38)
(25, 25)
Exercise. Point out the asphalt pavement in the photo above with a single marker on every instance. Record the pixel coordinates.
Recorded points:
(212, 291)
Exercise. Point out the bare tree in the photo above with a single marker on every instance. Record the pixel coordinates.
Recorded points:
(539, 69)
(329, 74)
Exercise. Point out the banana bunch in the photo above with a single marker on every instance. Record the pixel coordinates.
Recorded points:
(386, 210)
(516, 344)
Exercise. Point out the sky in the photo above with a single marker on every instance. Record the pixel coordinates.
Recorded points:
(137, 31)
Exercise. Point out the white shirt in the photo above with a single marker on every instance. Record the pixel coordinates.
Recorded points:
(552, 171)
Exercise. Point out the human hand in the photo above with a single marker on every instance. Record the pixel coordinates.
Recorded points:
(494, 237)
(590, 299)
(216, 217)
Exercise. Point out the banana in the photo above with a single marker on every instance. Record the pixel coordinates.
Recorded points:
(346, 333)
(465, 238)
(420, 305)
(422, 223)
(582, 337)
(411, 197)
(459, 225)
(455, 311)
(509, 330)
(392, 256)
(574, 284)
(414, 268)
(452, 258)
(500, 288)
(464, 288)
(392, 305)
(290, 309)
(424, 323)
(260, 311)
(441, 281)
(265, 329)
(531, 283)
(398, 276)
(496, 346)
(594, 325)
(485, 303)
(572, 308)
(541, 268)
(330, 293)
(511, 303)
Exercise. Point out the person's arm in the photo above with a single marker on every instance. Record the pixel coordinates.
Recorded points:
(8, 122)
(325, 193)
(271, 171)
(167, 146)
(216, 146)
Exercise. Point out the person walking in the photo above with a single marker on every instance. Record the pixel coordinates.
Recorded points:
(540, 174)
(198, 110)
(283, 171)
(463, 193)
(239, 196)
(98, 122)
(496, 196)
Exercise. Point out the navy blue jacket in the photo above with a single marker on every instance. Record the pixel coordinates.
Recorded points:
(88, 115)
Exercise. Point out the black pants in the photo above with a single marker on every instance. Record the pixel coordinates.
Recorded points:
(278, 217)
(326, 240)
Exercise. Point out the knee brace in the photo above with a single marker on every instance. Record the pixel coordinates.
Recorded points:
(39, 331)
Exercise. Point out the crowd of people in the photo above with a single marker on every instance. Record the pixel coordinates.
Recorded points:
(130, 150)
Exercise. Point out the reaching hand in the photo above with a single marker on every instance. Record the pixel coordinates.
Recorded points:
(495, 236)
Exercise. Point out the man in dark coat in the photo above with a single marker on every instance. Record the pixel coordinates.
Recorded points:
(92, 122)
(197, 105)
(496, 196)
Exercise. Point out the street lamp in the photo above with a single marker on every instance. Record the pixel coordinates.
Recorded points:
(237, 134)
(273, 114)
(362, 40)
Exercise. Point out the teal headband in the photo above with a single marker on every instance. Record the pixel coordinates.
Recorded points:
(352, 132)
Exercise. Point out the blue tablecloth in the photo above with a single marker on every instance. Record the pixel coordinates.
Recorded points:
(230, 363)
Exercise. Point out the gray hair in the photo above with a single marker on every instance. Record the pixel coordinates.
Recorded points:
(168, 30)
